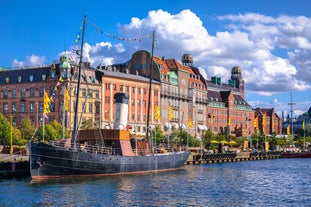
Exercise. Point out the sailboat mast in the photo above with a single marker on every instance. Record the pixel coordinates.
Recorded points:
(75, 127)
(150, 84)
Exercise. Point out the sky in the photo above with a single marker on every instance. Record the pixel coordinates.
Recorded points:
(269, 40)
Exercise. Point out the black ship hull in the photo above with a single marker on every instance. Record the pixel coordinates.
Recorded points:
(49, 161)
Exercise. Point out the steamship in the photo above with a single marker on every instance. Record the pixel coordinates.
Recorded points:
(101, 152)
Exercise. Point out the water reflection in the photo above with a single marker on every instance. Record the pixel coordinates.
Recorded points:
(281, 182)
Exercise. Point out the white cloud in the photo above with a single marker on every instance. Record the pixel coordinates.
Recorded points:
(31, 61)
(252, 41)
(273, 52)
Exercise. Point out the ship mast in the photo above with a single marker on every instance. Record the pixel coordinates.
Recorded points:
(150, 84)
(75, 127)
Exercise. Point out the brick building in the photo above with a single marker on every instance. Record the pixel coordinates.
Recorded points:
(179, 90)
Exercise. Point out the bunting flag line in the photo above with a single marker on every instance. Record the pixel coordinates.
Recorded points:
(98, 29)
(47, 101)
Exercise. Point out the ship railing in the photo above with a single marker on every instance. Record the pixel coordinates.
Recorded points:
(85, 148)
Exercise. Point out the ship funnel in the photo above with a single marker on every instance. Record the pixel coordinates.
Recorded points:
(121, 110)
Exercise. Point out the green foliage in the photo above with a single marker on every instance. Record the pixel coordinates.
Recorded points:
(5, 130)
(27, 128)
(87, 124)
(158, 134)
(52, 132)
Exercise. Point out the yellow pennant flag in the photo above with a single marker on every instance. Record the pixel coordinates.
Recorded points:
(46, 101)
(157, 113)
(66, 99)
(170, 113)
(190, 125)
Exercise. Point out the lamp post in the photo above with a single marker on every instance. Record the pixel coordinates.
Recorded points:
(11, 139)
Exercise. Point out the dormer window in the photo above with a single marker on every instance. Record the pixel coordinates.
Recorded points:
(92, 79)
(19, 79)
(43, 77)
(31, 78)
(7, 80)
(52, 74)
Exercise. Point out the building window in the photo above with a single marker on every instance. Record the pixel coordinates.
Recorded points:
(92, 79)
(52, 74)
(90, 93)
(133, 117)
(138, 117)
(132, 102)
(107, 99)
(32, 107)
(107, 86)
(7, 80)
(32, 92)
(41, 107)
(133, 90)
(41, 92)
(83, 92)
(19, 79)
(97, 109)
(121, 87)
(90, 107)
(5, 108)
(138, 103)
(13, 107)
(31, 78)
(126, 89)
(14, 121)
(114, 87)
(144, 103)
(14, 93)
(5, 94)
(23, 93)
(97, 94)
(23, 107)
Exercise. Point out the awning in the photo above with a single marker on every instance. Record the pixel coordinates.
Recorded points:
(167, 126)
(175, 126)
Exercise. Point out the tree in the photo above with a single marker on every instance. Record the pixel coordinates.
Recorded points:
(27, 127)
(158, 134)
(52, 132)
(87, 124)
(5, 130)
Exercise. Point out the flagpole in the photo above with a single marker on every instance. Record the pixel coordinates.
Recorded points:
(63, 121)
(43, 125)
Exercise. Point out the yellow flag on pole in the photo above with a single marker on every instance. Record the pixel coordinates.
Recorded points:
(170, 113)
(190, 125)
(66, 99)
(157, 113)
(46, 101)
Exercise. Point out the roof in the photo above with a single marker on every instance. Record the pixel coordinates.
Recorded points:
(124, 75)
(27, 75)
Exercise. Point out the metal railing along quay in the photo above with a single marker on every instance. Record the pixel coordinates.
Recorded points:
(230, 157)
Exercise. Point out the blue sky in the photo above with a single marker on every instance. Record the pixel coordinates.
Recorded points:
(269, 40)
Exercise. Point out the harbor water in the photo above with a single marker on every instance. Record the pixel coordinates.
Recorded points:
(277, 182)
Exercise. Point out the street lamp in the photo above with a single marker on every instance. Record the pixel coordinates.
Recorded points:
(11, 140)
(167, 127)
